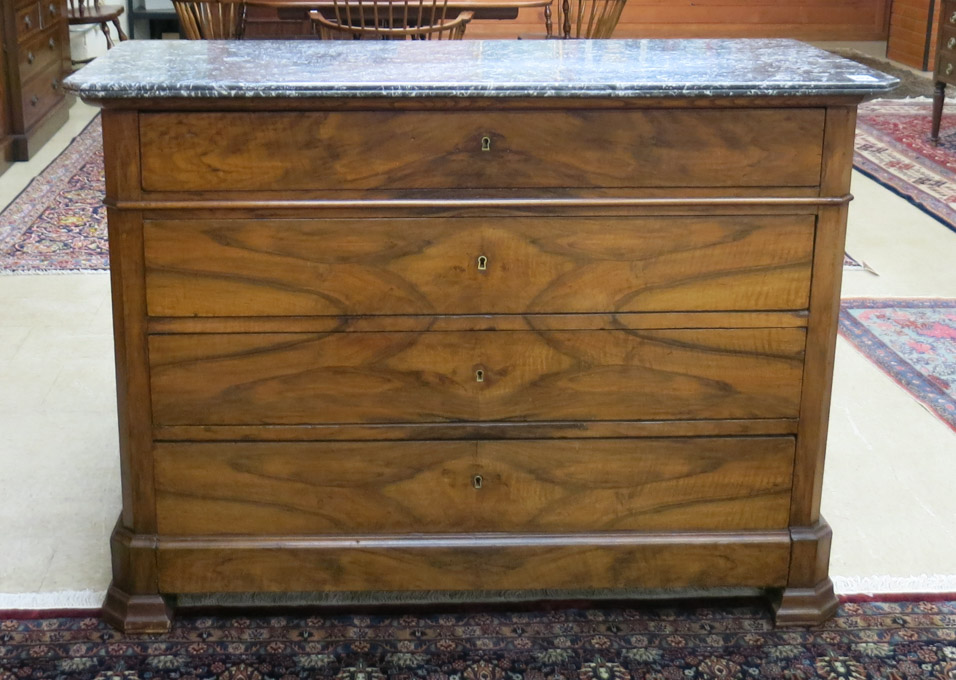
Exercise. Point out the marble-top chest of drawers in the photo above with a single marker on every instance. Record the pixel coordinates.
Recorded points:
(484, 317)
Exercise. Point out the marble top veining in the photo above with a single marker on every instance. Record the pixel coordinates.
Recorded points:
(472, 68)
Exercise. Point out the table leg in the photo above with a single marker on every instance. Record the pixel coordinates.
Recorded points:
(938, 97)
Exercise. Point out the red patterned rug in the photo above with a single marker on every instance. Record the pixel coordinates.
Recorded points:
(58, 223)
(893, 148)
(887, 641)
(913, 340)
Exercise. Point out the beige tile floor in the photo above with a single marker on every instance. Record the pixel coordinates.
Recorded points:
(889, 490)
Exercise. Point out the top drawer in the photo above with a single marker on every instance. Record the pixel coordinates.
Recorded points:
(28, 21)
(362, 150)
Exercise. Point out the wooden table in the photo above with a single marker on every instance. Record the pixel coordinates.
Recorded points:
(290, 18)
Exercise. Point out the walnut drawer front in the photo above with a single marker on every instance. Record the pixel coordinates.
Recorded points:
(486, 486)
(360, 150)
(421, 377)
(477, 265)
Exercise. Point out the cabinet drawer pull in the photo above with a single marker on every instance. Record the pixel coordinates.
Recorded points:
(952, 18)
(52, 43)
(477, 481)
(482, 263)
(30, 57)
(949, 68)
(52, 9)
(951, 43)
(28, 22)
(34, 100)
(55, 84)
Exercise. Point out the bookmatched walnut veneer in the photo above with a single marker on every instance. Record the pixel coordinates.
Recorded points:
(474, 343)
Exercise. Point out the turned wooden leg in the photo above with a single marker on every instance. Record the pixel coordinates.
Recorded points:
(548, 23)
(105, 27)
(938, 96)
(808, 599)
(119, 30)
(133, 602)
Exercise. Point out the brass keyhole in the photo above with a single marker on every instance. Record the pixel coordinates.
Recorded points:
(479, 375)
(477, 481)
(482, 263)
(486, 143)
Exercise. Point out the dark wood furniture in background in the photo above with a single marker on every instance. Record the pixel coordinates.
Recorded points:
(88, 12)
(410, 343)
(945, 72)
(290, 18)
(36, 41)
(586, 18)
(912, 32)
(801, 19)
(6, 139)
(391, 20)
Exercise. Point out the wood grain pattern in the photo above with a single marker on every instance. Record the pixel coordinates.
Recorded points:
(196, 565)
(432, 377)
(374, 149)
(555, 429)
(477, 322)
(823, 324)
(433, 266)
(429, 487)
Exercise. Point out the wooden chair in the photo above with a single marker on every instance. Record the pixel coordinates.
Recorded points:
(86, 12)
(588, 18)
(391, 20)
(212, 20)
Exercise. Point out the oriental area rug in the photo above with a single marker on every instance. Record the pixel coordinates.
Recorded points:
(913, 340)
(58, 223)
(893, 148)
(888, 640)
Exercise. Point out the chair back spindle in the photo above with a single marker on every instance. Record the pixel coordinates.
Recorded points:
(589, 18)
(390, 20)
(211, 19)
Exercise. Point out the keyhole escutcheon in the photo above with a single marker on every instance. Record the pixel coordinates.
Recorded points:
(486, 143)
(479, 375)
(477, 481)
(482, 263)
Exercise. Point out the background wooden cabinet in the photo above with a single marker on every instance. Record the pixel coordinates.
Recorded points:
(913, 32)
(36, 42)
(800, 19)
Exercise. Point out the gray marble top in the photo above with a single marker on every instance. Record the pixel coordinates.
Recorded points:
(472, 68)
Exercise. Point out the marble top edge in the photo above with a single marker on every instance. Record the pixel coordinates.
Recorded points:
(495, 68)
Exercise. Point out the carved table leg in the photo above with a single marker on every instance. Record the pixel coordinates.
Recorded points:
(808, 599)
(133, 603)
(938, 96)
